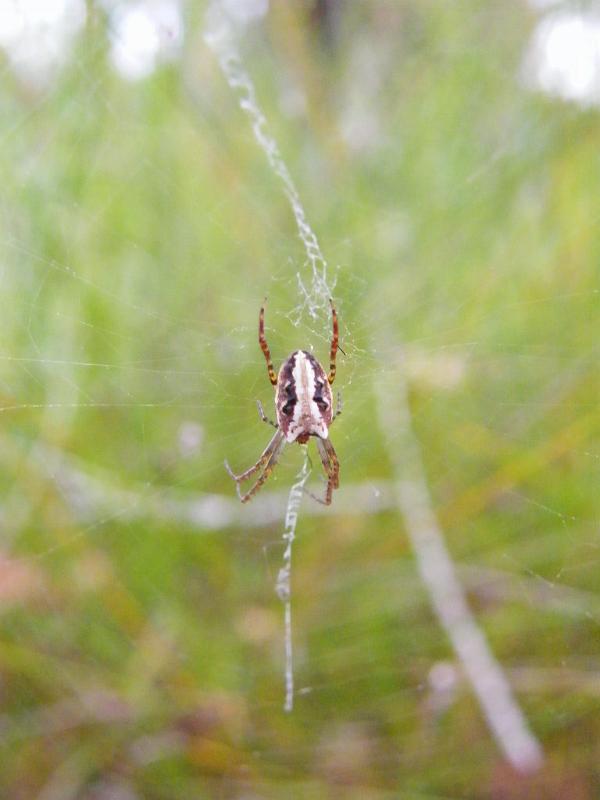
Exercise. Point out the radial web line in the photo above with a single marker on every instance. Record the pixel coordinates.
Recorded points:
(284, 586)
(499, 706)
(220, 36)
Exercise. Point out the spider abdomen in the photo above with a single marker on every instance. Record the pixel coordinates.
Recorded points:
(303, 398)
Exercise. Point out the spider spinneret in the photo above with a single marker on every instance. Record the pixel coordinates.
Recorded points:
(304, 408)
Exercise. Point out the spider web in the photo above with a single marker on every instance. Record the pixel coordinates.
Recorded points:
(136, 591)
(503, 714)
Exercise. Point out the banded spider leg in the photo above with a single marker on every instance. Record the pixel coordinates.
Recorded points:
(266, 462)
(331, 465)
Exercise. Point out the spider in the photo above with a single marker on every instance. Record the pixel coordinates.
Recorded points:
(303, 404)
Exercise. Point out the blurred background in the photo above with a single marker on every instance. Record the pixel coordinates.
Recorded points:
(447, 158)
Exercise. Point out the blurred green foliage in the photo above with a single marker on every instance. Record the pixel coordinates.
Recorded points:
(140, 228)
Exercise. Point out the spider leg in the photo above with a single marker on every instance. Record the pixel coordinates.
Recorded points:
(324, 456)
(338, 408)
(266, 455)
(334, 343)
(331, 466)
(328, 494)
(268, 469)
(335, 464)
(262, 340)
(264, 417)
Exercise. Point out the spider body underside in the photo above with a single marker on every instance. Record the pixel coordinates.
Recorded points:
(304, 408)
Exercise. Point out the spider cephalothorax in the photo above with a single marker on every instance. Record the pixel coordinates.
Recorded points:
(303, 403)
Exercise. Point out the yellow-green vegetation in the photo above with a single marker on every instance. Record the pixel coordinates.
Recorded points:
(141, 650)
